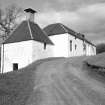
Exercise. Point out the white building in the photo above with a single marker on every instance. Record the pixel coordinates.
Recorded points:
(26, 44)
(68, 43)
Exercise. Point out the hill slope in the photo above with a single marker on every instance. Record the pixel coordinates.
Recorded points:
(55, 81)
(98, 60)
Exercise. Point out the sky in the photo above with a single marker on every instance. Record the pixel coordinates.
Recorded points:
(83, 16)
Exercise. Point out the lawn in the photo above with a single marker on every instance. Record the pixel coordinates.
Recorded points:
(53, 81)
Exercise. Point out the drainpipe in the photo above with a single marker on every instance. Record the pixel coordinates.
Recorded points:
(2, 59)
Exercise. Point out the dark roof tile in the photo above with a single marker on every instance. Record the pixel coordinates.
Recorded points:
(38, 34)
(28, 31)
(58, 28)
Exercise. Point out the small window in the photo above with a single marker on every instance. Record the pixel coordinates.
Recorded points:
(70, 45)
(75, 46)
(15, 66)
(44, 46)
(84, 46)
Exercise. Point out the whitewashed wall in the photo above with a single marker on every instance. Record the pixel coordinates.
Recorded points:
(90, 49)
(94, 47)
(60, 48)
(38, 51)
(87, 48)
(23, 53)
(26, 52)
(79, 43)
(20, 52)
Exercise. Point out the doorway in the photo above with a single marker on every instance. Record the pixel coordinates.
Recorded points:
(15, 66)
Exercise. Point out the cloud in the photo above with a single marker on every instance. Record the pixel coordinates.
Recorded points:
(85, 16)
(92, 22)
(70, 5)
(89, 20)
(92, 16)
(58, 5)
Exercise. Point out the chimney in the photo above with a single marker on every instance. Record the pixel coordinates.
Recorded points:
(30, 14)
(83, 36)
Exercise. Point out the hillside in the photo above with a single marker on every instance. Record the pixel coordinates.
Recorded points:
(53, 81)
(98, 60)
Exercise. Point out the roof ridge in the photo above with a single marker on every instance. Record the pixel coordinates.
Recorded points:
(68, 28)
(39, 35)
(63, 27)
(30, 29)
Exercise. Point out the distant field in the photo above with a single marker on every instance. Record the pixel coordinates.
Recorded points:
(53, 81)
(98, 60)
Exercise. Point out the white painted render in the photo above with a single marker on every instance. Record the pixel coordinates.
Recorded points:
(61, 46)
(90, 49)
(38, 51)
(26, 52)
(79, 49)
(20, 52)
(23, 53)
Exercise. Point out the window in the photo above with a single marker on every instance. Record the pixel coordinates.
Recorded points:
(44, 46)
(75, 46)
(15, 66)
(70, 45)
(84, 46)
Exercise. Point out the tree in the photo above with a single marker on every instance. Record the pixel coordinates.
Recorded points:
(100, 48)
(8, 19)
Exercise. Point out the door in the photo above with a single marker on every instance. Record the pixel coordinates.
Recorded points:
(15, 66)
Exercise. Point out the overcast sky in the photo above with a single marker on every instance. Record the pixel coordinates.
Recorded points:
(84, 16)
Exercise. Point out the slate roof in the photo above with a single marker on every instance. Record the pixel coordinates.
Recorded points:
(28, 30)
(58, 28)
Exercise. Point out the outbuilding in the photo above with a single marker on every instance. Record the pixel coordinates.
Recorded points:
(27, 43)
(67, 42)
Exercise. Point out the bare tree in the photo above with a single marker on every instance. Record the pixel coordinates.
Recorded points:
(8, 19)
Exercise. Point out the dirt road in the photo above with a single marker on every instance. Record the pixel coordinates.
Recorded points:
(52, 82)
(61, 82)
